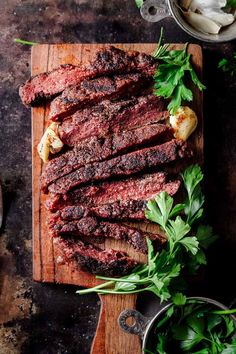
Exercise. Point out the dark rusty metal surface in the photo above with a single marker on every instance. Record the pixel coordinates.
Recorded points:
(51, 319)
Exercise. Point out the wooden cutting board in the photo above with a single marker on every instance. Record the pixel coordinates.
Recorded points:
(109, 339)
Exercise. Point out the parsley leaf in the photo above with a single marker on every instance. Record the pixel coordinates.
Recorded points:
(228, 65)
(139, 3)
(231, 4)
(205, 236)
(192, 177)
(179, 299)
(183, 248)
(172, 73)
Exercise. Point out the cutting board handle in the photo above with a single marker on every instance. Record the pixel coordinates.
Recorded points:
(109, 337)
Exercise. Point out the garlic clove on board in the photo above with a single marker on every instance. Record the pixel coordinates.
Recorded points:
(50, 142)
(201, 23)
(183, 122)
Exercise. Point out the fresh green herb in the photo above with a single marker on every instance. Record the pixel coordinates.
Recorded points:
(231, 4)
(192, 327)
(171, 75)
(22, 41)
(139, 3)
(228, 65)
(183, 249)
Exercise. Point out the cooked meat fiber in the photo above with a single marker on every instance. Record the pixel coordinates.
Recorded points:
(124, 165)
(99, 149)
(93, 259)
(107, 61)
(90, 92)
(89, 226)
(111, 117)
(132, 210)
(122, 210)
(136, 188)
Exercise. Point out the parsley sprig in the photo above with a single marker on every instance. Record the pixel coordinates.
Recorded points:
(191, 326)
(139, 3)
(228, 65)
(183, 248)
(231, 4)
(173, 71)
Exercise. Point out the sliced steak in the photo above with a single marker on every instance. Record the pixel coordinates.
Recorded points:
(99, 149)
(124, 165)
(109, 60)
(93, 259)
(90, 226)
(90, 92)
(110, 117)
(136, 188)
(121, 210)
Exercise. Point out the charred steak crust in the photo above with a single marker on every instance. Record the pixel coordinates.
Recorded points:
(45, 86)
(98, 149)
(107, 61)
(124, 165)
(93, 91)
(120, 210)
(133, 188)
(111, 117)
(90, 226)
(101, 262)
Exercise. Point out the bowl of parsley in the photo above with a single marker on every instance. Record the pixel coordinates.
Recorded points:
(194, 325)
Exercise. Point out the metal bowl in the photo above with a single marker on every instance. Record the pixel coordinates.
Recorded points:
(156, 10)
(226, 34)
(142, 326)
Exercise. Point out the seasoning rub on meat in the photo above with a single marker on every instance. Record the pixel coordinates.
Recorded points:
(117, 145)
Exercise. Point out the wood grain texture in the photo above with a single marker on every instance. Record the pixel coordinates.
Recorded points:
(109, 338)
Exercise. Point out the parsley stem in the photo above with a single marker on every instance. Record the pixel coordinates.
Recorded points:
(86, 291)
(22, 41)
(119, 292)
(224, 312)
(122, 280)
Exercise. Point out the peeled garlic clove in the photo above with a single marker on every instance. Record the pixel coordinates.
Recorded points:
(202, 23)
(219, 16)
(184, 122)
(207, 4)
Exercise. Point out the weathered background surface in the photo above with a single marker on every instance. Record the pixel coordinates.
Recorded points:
(50, 319)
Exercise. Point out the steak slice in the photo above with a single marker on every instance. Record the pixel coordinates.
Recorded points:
(101, 148)
(124, 165)
(108, 60)
(93, 259)
(90, 92)
(134, 188)
(89, 226)
(111, 117)
(120, 210)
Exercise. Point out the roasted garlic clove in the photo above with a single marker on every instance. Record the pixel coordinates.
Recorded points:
(183, 122)
(50, 142)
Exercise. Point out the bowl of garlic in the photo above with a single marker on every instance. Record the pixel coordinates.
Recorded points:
(206, 20)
